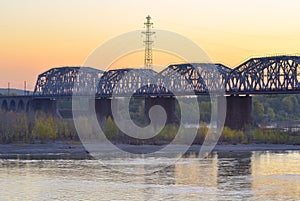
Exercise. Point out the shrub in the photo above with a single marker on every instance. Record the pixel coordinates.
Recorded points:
(234, 136)
(110, 129)
(44, 128)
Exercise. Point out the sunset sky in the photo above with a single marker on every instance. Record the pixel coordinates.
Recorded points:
(36, 35)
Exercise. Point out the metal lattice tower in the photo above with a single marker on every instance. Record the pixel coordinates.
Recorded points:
(148, 43)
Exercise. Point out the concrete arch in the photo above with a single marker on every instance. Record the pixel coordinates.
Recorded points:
(21, 106)
(12, 106)
(4, 106)
(27, 109)
(16, 104)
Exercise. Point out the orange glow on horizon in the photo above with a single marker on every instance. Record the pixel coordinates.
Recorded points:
(38, 35)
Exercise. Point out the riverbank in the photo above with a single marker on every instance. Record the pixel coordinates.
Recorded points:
(63, 150)
(55, 150)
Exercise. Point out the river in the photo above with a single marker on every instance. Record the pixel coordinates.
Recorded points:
(220, 176)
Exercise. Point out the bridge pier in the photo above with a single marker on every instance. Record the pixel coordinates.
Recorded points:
(45, 105)
(103, 108)
(239, 110)
(238, 114)
(168, 103)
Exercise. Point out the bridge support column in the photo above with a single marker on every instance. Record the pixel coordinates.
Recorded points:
(239, 109)
(44, 105)
(168, 103)
(103, 108)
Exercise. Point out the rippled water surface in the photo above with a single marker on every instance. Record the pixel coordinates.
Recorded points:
(222, 176)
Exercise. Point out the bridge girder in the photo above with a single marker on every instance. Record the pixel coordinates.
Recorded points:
(127, 82)
(195, 78)
(66, 80)
(278, 74)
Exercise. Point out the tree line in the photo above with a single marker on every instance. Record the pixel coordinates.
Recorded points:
(34, 128)
(279, 107)
(40, 127)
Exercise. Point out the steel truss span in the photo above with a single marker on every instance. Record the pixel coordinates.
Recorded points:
(278, 74)
(266, 75)
(61, 81)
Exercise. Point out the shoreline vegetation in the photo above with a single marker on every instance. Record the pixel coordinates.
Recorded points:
(41, 128)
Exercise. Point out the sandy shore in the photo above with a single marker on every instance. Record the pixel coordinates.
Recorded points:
(61, 150)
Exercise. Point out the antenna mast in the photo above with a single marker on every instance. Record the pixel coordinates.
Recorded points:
(148, 43)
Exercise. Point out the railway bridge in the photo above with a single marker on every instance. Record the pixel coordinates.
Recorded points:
(257, 76)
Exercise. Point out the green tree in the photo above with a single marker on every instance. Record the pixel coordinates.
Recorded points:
(63, 130)
(228, 134)
(21, 128)
(258, 111)
(270, 113)
(44, 128)
(110, 129)
(202, 133)
(288, 103)
(205, 111)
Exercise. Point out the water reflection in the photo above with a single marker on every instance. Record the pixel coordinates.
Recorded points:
(221, 176)
(196, 172)
(198, 175)
(234, 175)
(279, 171)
